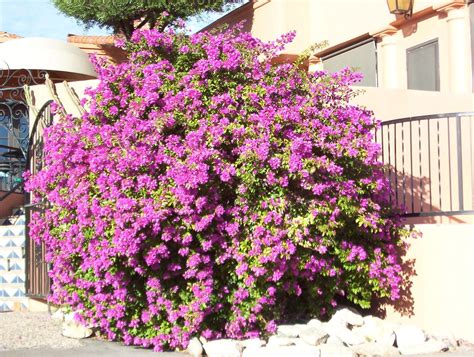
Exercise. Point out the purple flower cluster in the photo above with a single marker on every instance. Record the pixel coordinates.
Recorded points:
(208, 191)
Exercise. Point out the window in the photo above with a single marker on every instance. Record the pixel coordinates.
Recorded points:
(423, 66)
(361, 57)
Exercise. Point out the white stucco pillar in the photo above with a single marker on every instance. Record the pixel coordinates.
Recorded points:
(458, 52)
(388, 75)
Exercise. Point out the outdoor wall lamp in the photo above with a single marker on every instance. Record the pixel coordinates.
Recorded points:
(401, 7)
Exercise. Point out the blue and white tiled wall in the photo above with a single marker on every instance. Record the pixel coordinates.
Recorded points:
(12, 263)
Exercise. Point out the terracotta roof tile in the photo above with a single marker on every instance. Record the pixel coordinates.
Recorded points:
(95, 40)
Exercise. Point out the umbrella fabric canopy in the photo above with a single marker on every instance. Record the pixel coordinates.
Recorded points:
(36, 53)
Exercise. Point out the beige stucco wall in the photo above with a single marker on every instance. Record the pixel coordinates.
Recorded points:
(337, 21)
(401, 103)
(315, 21)
(443, 283)
(341, 21)
(415, 33)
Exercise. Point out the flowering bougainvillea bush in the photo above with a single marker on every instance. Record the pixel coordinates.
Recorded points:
(207, 191)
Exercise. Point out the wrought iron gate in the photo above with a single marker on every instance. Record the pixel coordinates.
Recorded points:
(20, 149)
(37, 279)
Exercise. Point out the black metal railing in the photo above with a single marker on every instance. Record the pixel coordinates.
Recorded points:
(429, 163)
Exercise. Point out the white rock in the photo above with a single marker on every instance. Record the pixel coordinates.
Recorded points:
(314, 336)
(74, 330)
(347, 317)
(314, 323)
(223, 348)
(375, 349)
(69, 317)
(276, 341)
(347, 336)
(445, 336)
(58, 315)
(386, 337)
(252, 343)
(430, 346)
(334, 341)
(195, 347)
(408, 336)
(299, 342)
(376, 330)
(290, 330)
(282, 351)
(371, 327)
(335, 351)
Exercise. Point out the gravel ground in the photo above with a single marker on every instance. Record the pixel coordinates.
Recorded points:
(19, 330)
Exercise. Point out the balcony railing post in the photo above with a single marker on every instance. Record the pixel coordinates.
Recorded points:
(459, 154)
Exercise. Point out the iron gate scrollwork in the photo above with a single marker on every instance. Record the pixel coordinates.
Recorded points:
(13, 145)
(37, 279)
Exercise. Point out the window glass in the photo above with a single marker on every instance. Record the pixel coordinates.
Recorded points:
(423, 66)
(3, 135)
(361, 58)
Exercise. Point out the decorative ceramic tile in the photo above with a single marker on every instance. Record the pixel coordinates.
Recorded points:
(12, 274)
(5, 307)
(13, 255)
(8, 233)
(19, 293)
(15, 291)
(17, 279)
(15, 266)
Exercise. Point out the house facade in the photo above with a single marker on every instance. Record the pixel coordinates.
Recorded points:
(419, 81)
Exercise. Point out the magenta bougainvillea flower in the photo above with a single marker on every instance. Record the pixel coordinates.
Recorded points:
(208, 191)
